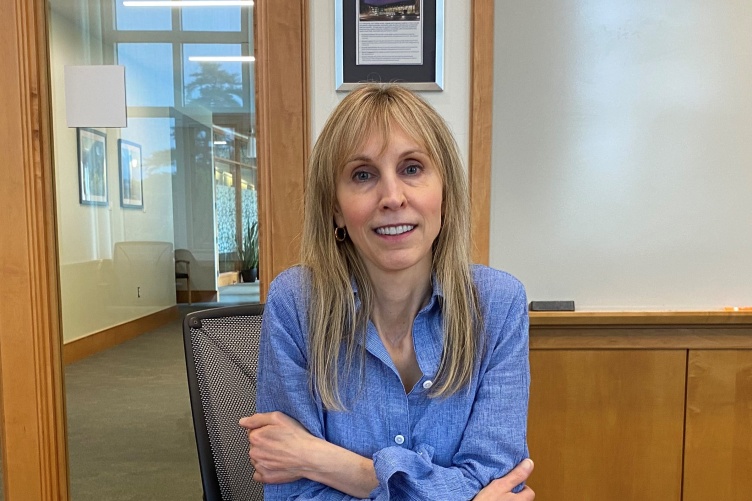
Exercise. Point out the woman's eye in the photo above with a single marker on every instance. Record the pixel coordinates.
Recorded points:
(361, 176)
(412, 169)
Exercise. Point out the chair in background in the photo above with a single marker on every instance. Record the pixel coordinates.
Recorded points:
(183, 260)
(221, 355)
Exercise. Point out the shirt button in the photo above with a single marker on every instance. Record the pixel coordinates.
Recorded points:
(427, 384)
(399, 439)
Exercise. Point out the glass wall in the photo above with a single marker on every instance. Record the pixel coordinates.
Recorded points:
(178, 183)
(189, 185)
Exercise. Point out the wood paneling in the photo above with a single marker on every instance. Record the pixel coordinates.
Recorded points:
(33, 412)
(718, 447)
(283, 130)
(103, 340)
(640, 318)
(665, 337)
(661, 330)
(481, 120)
(607, 425)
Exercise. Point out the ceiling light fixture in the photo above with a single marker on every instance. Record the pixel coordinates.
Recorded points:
(222, 59)
(188, 3)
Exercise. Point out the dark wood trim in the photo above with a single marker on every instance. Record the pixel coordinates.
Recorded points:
(31, 379)
(283, 131)
(99, 341)
(481, 125)
(181, 297)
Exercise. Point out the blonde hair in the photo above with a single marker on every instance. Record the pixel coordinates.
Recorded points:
(335, 323)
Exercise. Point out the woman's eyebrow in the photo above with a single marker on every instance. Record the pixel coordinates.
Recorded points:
(413, 152)
(358, 158)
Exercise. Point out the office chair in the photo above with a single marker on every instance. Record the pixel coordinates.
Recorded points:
(183, 260)
(221, 356)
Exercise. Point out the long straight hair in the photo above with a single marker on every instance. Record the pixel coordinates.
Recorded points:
(337, 325)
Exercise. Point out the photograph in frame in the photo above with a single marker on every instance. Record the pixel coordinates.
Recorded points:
(92, 167)
(131, 175)
(400, 41)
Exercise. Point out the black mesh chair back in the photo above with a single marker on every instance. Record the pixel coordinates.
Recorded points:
(221, 354)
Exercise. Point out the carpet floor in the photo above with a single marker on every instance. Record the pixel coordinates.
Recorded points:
(130, 433)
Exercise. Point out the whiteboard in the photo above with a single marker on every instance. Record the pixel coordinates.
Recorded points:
(622, 152)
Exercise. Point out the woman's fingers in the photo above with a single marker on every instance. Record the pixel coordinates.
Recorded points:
(501, 488)
(519, 474)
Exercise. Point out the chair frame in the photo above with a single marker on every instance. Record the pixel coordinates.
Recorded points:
(209, 480)
(179, 275)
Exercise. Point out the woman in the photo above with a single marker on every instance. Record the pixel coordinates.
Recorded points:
(390, 368)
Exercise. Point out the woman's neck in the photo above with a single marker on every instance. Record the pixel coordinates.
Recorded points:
(398, 298)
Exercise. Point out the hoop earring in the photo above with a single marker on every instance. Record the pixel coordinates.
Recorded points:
(340, 234)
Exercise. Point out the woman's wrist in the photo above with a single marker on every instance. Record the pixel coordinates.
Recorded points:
(338, 468)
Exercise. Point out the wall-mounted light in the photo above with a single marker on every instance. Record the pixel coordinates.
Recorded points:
(188, 3)
(221, 59)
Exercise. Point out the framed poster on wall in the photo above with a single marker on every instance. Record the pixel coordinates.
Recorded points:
(92, 167)
(131, 175)
(399, 41)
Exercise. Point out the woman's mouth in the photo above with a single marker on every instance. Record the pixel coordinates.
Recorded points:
(394, 230)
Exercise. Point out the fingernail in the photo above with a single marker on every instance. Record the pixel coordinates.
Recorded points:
(528, 464)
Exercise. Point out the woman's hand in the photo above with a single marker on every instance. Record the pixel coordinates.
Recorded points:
(501, 488)
(277, 446)
(282, 451)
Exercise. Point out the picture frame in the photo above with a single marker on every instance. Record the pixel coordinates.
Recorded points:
(389, 41)
(92, 167)
(130, 168)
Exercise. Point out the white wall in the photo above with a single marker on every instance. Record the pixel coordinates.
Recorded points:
(622, 156)
(453, 103)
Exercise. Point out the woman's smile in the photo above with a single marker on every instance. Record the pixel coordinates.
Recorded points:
(395, 230)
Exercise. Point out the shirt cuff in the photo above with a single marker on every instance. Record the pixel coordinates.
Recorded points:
(392, 462)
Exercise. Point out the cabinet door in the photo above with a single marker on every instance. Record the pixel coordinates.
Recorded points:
(718, 458)
(607, 424)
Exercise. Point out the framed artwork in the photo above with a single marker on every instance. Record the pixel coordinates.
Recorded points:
(131, 175)
(399, 41)
(92, 167)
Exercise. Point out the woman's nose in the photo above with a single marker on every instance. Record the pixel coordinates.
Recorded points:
(392, 193)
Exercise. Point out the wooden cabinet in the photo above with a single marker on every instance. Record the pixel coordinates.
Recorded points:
(718, 441)
(607, 425)
(641, 406)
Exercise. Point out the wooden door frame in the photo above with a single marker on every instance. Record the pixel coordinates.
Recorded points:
(32, 427)
(481, 121)
(283, 124)
(31, 376)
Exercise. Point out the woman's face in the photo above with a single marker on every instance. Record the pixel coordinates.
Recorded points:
(389, 198)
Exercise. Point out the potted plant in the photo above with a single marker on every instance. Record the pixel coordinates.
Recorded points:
(249, 254)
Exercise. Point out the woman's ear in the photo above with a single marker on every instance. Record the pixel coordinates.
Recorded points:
(339, 220)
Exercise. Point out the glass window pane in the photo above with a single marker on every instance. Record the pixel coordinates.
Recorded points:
(148, 73)
(214, 85)
(142, 18)
(211, 19)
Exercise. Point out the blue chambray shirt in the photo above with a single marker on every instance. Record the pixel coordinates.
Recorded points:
(423, 448)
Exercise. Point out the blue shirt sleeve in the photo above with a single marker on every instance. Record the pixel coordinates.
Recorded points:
(283, 381)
